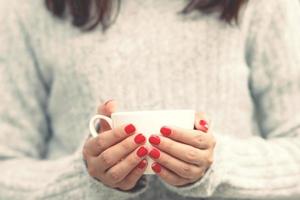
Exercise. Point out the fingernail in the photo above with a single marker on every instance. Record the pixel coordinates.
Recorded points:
(154, 153)
(142, 151)
(129, 129)
(156, 167)
(203, 125)
(154, 139)
(139, 139)
(142, 164)
(165, 131)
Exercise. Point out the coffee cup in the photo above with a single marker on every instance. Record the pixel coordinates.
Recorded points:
(147, 123)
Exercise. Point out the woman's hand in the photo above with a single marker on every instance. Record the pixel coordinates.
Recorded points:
(182, 156)
(116, 157)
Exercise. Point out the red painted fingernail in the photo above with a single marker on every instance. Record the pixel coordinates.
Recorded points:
(142, 164)
(156, 167)
(203, 125)
(154, 153)
(139, 139)
(165, 131)
(129, 129)
(154, 139)
(142, 152)
(204, 129)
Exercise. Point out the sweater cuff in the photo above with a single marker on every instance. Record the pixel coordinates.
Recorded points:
(207, 185)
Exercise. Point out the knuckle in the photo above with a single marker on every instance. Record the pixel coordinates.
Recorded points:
(167, 144)
(136, 174)
(198, 138)
(213, 141)
(129, 187)
(107, 159)
(210, 160)
(85, 153)
(202, 172)
(177, 181)
(125, 145)
(118, 134)
(181, 182)
(198, 174)
(192, 155)
(115, 176)
(122, 187)
(186, 170)
(92, 170)
(85, 146)
(100, 143)
(132, 160)
(111, 185)
(164, 162)
(126, 186)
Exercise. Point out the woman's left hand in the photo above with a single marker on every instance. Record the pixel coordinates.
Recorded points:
(182, 156)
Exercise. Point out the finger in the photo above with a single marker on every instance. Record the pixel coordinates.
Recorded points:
(132, 178)
(106, 109)
(91, 167)
(194, 138)
(181, 168)
(119, 171)
(179, 150)
(168, 176)
(201, 122)
(96, 145)
(114, 154)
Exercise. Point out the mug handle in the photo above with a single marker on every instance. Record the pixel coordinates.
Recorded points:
(92, 123)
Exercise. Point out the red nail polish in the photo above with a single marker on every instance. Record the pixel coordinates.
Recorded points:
(142, 164)
(154, 153)
(203, 125)
(139, 139)
(203, 129)
(156, 167)
(202, 122)
(154, 139)
(165, 131)
(129, 129)
(142, 151)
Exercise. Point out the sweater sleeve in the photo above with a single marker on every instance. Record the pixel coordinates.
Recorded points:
(267, 164)
(24, 128)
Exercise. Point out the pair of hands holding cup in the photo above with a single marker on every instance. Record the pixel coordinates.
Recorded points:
(116, 157)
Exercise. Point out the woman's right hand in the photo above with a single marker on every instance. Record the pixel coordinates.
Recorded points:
(116, 157)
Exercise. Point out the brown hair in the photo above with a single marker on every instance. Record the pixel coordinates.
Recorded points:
(81, 10)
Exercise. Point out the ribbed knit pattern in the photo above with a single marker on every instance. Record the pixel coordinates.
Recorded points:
(245, 77)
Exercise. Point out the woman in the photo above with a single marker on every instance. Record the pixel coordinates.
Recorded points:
(244, 75)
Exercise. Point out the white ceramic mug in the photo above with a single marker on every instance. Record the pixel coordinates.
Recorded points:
(147, 123)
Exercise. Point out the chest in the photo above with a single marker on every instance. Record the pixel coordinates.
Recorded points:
(149, 59)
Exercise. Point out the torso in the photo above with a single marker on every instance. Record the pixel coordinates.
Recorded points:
(151, 58)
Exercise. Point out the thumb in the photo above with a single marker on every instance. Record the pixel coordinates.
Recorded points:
(201, 122)
(106, 109)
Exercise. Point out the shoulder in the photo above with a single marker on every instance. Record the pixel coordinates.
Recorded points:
(31, 14)
(267, 7)
(21, 9)
(257, 15)
(266, 10)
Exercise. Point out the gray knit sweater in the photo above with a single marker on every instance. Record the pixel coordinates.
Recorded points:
(245, 77)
